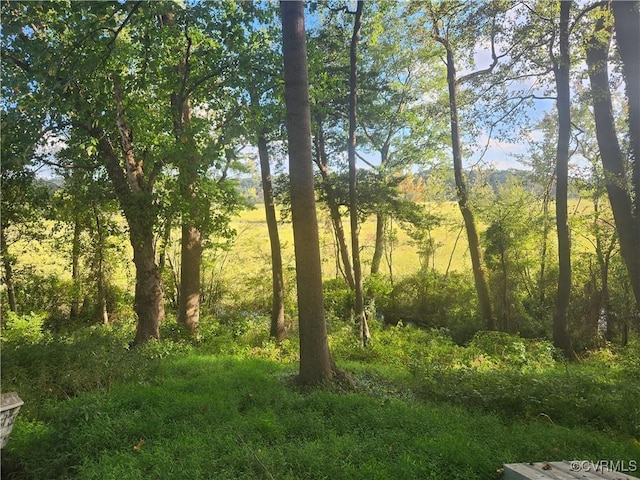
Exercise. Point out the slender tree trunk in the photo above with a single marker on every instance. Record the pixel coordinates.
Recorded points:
(7, 263)
(361, 318)
(545, 240)
(506, 314)
(378, 249)
(613, 161)
(334, 212)
(561, 337)
(100, 274)
(381, 218)
(166, 236)
(479, 274)
(75, 269)
(316, 365)
(277, 330)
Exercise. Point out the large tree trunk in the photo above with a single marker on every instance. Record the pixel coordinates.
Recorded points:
(315, 359)
(627, 24)
(7, 263)
(278, 329)
(613, 161)
(191, 240)
(561, 337)
(361, 318)
(191, 259)
(135, 193)
(475, 252)
(334, 211)
(149, 303)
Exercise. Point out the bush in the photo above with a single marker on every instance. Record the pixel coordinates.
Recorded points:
(512, 351)
(432, 300)
(338, 299)
(25, 328)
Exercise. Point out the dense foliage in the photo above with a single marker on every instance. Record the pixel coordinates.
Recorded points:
(419, 406)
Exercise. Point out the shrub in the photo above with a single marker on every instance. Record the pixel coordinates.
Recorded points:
(25, 328)
(433, 300)
(512, 351)
(338, 299)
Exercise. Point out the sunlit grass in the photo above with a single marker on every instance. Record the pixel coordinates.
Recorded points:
(228, 407)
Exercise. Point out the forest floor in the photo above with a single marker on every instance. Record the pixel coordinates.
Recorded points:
(229, 407)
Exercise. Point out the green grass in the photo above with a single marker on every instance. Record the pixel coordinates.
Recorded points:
(229, 408)
(223, 417)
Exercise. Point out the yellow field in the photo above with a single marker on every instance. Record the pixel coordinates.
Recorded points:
(249, 255)
(250, 252)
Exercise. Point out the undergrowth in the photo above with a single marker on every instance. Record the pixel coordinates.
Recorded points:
(226, 406)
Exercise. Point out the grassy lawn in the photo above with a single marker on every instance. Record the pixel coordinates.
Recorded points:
(224, 410)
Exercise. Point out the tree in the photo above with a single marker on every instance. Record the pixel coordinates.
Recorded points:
(441, 19)
(361, 318)
(266, 114)
(627, 20)
(88, 92)
(205, 84)
(561, 66)
(95, 67)
(329, 96)
(82, 204)
(626, 218)
(401, 116)
(278, 328)
(626, 16)
(315, 359)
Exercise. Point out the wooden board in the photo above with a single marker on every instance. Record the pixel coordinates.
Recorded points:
(584, 470)
(10, 404)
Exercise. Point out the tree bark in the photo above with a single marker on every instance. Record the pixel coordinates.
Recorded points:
(135, 194)
(475, 252)
(315, 360)
(361, 318)
(379, 244)
(613, 161)
(561, 337)
(149, 302)
(627, 25)
(278, 329)
(191, 238)
(626, 16)
(381, 218)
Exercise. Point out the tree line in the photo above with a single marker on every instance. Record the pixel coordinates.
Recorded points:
(147, 108)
